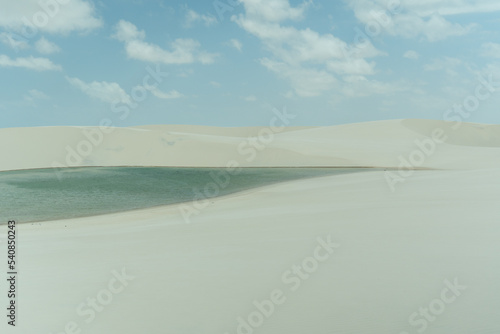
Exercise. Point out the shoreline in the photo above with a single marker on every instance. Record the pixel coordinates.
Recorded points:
(220, 167)
(231, 194)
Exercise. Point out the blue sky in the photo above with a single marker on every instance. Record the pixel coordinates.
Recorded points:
(229, 62)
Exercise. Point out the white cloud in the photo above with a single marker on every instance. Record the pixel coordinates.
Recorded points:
(109, 92)
(193, 17)
(126, 31)
(446, 64)
(13, 41)
(236, 44)
(359, 86)
(34, 95)
(434, 28)
(31, 63)
(274, 10)
(351, 66)
(410, 54)
(215, 83)
(185, 72)
(250, 98)
(451, 7)
(490, 50)
(30, 16)
(182, 51)
(46, 47)
(420, 18)
(305, 81)
(310, 61)
(173, 94)
(302, 45)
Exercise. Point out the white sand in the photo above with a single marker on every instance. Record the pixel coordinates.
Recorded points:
(396, 248)
(362, 144)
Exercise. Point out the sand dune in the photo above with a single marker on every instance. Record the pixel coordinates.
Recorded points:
(396, 253)
(364, 144)
(337, 254)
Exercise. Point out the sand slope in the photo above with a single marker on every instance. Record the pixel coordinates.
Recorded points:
(396, 251)
(364, 144)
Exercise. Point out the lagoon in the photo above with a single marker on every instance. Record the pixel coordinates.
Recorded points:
(46, 194)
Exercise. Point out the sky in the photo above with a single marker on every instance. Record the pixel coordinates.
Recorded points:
(234, 63)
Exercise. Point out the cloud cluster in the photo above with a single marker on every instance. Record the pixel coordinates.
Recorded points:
(23, 21)
(31, 63)
(33, 96)
(310, 61)
(430, 19)
(46, 47)
(113, 93)
(51, 16)
(12, 41)
(274, 10)
(182, 51)
(109, 92)
(193, 17)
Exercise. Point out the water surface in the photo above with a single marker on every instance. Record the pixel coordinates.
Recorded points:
(40, 195)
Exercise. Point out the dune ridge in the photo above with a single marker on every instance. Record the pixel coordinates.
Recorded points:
(370, 144)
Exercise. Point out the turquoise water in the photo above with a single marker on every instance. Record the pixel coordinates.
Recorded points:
(39, 195)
